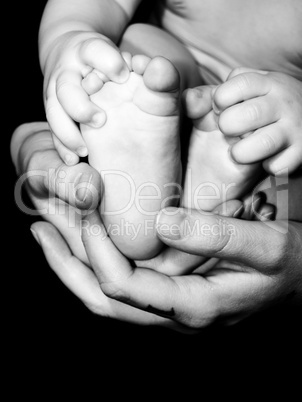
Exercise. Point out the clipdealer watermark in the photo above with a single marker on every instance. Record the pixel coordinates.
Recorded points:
(137, 197)
(148, 228)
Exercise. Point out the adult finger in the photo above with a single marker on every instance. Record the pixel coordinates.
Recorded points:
(190, 300)
(69, 157)
(81, 280)
(44, 171)
(261, 245)
(21, 135)
(175, 262)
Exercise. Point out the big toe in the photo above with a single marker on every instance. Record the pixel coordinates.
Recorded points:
(161, 75)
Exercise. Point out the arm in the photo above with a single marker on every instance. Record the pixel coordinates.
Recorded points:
(64, 16)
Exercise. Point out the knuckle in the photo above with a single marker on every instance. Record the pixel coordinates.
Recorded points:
(96, 308)
(242, 82)
(224, 122)
(220, 240)
(252, 113)
(90, 46)
(115, 290)
(237, 71)
(268, 144)
(208, 317)
(205, 310)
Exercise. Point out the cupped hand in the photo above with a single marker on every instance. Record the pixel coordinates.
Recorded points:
(58, 192)
(259, 265)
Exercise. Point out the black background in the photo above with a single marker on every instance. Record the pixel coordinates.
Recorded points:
(47, 324)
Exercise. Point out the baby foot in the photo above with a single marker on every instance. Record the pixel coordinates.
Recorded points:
(212, 177)
(137, 152)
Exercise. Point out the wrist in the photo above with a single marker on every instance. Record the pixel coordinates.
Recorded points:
(51, 48)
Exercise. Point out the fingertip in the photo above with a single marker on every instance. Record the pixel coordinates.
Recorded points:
(123, 74)
(226, 123)
(169, 223)
(87, 188)
(82, 152)
(233, 154)
(98, 119)
(35, 234)
(71, 159)
(267, 212)
(128, 59)
(42, 231)
(218, 102)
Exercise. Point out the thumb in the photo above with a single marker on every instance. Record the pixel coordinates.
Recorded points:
(41, 168)
(260, 245)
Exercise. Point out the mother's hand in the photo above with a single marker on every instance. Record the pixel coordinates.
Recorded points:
(267, 271)
(58, 192)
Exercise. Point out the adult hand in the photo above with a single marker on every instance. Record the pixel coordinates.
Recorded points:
(59, 192)
(267, 270)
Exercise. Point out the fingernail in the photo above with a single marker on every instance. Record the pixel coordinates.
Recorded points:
(269, 216)
(82, 151)
(35, 236)
(69, 160)
(123, 75)
(216, 108)
(82, 188)
(231, 156)
(196, 92)
(239, 212)
(98, 120)
(169, 223)
(257, 201)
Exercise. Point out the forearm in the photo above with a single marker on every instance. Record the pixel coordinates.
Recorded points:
(106, 17)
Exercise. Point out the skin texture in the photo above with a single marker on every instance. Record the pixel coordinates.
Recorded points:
(75, 39)
(78, 52)
(286, 274)
(243, 282)
(265, 109)
(137, 152)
